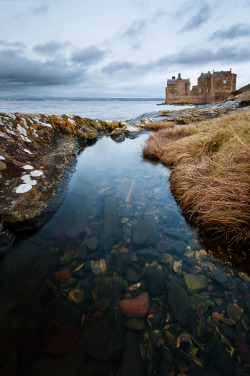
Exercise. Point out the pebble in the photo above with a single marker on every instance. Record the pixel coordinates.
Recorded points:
(135, 307)
(234, 311)
(195, 282)
(62, 275)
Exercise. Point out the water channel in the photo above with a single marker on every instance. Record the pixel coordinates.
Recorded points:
(119, 235)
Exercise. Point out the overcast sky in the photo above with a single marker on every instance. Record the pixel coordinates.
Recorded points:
(118, 48)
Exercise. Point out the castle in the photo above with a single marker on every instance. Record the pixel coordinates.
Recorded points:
(211, 87)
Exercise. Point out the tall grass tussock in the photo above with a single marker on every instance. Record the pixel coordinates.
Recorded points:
(211, 171)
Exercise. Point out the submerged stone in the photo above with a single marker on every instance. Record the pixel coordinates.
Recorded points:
(135, 307)
(155, 279)
(112, 233)
(179, 302)
(195, 282)
(131, 363)
(145, 231)
(176, 234)
(101, 341)
(64, 313)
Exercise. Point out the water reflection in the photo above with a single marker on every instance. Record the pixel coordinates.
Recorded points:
(116, 282)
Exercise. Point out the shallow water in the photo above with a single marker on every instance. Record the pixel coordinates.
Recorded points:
(119, 234)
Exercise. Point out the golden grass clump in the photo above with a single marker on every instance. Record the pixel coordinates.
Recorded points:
(157, 125)
(211, 174)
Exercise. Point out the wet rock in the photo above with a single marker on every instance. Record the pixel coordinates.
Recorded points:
(60, 365)
(62, 275)
(242, 347)
(134, 273)
(103, 292)
(135, 324)
(176, 247)
(131, 363)
(112, 233)
(177, 234)
(195, 282)
(77, 296)
(148, 255)
(155, 280)
(227, 331)
(101, 341)
(64, 313)
(216, 352)
(63, 340)
(179, 302)
(145, 231)
(220, 277)
(135, 307)
(92, 243)
(202, 327)
(234, 311)
(157, 319)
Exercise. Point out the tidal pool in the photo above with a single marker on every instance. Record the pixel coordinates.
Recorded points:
(117, 283)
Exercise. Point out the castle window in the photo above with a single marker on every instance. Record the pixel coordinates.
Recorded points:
(224, 81)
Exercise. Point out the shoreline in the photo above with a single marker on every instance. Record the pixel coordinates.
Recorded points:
(39, 150)
(210, 172)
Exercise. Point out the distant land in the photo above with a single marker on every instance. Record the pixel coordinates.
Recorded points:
(43, 98)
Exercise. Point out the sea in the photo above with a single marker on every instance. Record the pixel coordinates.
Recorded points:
(103, 109)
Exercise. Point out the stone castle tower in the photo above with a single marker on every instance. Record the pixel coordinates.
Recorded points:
(211, 87)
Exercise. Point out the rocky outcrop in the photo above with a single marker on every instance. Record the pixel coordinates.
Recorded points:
(35, 152)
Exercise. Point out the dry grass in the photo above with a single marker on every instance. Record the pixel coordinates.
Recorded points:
(157, 125)
(211, 174)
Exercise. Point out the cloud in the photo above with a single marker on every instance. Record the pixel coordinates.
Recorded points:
(184, 58)
(201, 16)
(88, 55)
(136, 28)
(233, 32)
(51, 47)
(5, 43)
(39, 9)
(117, 66)
(16, 70)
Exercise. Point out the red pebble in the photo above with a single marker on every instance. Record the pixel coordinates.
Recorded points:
(63, 340)
(63, 275)
(136, 307)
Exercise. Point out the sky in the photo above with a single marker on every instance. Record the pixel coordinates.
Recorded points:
(118, 48)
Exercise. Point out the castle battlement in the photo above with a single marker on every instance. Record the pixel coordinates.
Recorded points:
(211, 87)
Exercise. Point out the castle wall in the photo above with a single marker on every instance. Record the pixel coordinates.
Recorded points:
(211, 88)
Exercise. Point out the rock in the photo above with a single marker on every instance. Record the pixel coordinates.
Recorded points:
(131, 363)
(82, 252)
(195, 282)
(10, 367)
(148, 255)
(135, 307)
(202, 327)
(103, 292)
(234, 311)
(60, 365)
(77, 296)
(215, 351)
(101, 341)
(145, 231)
(134, 273)
(176, 247)
(92, 243)
(63, 340)
(62, 275)
(177, 234)
(179, 302)
(242, 347)
(220, 277)
(112, 232)
(155, 280)
(135, 324)
(64, 313)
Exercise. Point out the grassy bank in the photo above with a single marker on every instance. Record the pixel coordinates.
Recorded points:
(211, 171)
